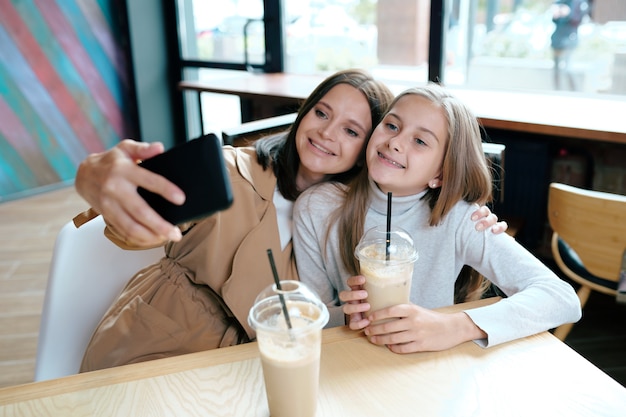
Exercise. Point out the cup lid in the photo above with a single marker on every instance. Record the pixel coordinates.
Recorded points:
(267, 305)
(373, 245)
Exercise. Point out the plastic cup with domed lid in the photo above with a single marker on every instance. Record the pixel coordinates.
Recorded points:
(288, 324)
(386, 258)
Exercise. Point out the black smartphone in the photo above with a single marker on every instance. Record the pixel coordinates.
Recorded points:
(198, 168)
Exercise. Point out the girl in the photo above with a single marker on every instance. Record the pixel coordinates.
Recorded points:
(427, 152)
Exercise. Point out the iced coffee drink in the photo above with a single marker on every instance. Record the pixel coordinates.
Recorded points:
(386, 260)
(290, 356)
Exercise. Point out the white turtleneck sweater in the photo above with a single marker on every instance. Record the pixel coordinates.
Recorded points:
(537, 299)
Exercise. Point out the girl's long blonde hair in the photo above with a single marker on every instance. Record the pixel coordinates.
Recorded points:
(465, 176)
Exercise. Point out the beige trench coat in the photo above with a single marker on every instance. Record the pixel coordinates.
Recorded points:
(198, 296)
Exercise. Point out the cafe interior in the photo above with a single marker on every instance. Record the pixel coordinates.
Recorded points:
(78, 77)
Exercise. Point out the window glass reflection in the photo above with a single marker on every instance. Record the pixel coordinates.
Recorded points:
(548, 45)
(489, 44)
(325, 36)
(500, 44)
(218, 33)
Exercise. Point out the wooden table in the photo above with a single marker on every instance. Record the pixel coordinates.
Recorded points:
(565, 115)
(534, 376)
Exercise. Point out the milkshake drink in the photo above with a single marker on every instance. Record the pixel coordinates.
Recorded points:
(290, 357)
(386, 260)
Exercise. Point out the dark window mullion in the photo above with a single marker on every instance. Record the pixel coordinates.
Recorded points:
(190, 63)
(175, 71)
(436, 41)
(274, 51)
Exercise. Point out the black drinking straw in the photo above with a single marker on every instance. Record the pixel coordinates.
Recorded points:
(388, 242)
(277, 281)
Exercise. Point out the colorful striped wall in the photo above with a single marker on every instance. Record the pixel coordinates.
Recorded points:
(64, 89)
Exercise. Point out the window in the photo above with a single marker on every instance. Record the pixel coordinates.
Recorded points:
(481, 44)
(231, 36)
(511, 46)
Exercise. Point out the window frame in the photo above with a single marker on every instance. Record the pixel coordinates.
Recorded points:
(274, 56)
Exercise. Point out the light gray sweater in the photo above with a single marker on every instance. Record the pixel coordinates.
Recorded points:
(537, 299)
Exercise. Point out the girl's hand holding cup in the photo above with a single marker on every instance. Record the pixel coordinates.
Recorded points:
(354, 303)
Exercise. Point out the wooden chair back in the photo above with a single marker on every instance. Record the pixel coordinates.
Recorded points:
(593, 224)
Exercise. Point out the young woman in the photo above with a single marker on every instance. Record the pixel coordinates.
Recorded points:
(427, 152)
(198, 296)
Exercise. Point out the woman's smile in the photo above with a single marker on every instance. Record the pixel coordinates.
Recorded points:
(321, 148)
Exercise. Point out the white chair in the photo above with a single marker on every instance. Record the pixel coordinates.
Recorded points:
(87, 273)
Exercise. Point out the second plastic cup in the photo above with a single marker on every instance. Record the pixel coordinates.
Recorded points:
(386, 260)
(290, 356)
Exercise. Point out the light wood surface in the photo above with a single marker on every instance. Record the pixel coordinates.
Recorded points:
(538, 376)
(28, 227)
(574, 116)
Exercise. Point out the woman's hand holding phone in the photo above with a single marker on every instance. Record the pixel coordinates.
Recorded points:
(109, 180)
